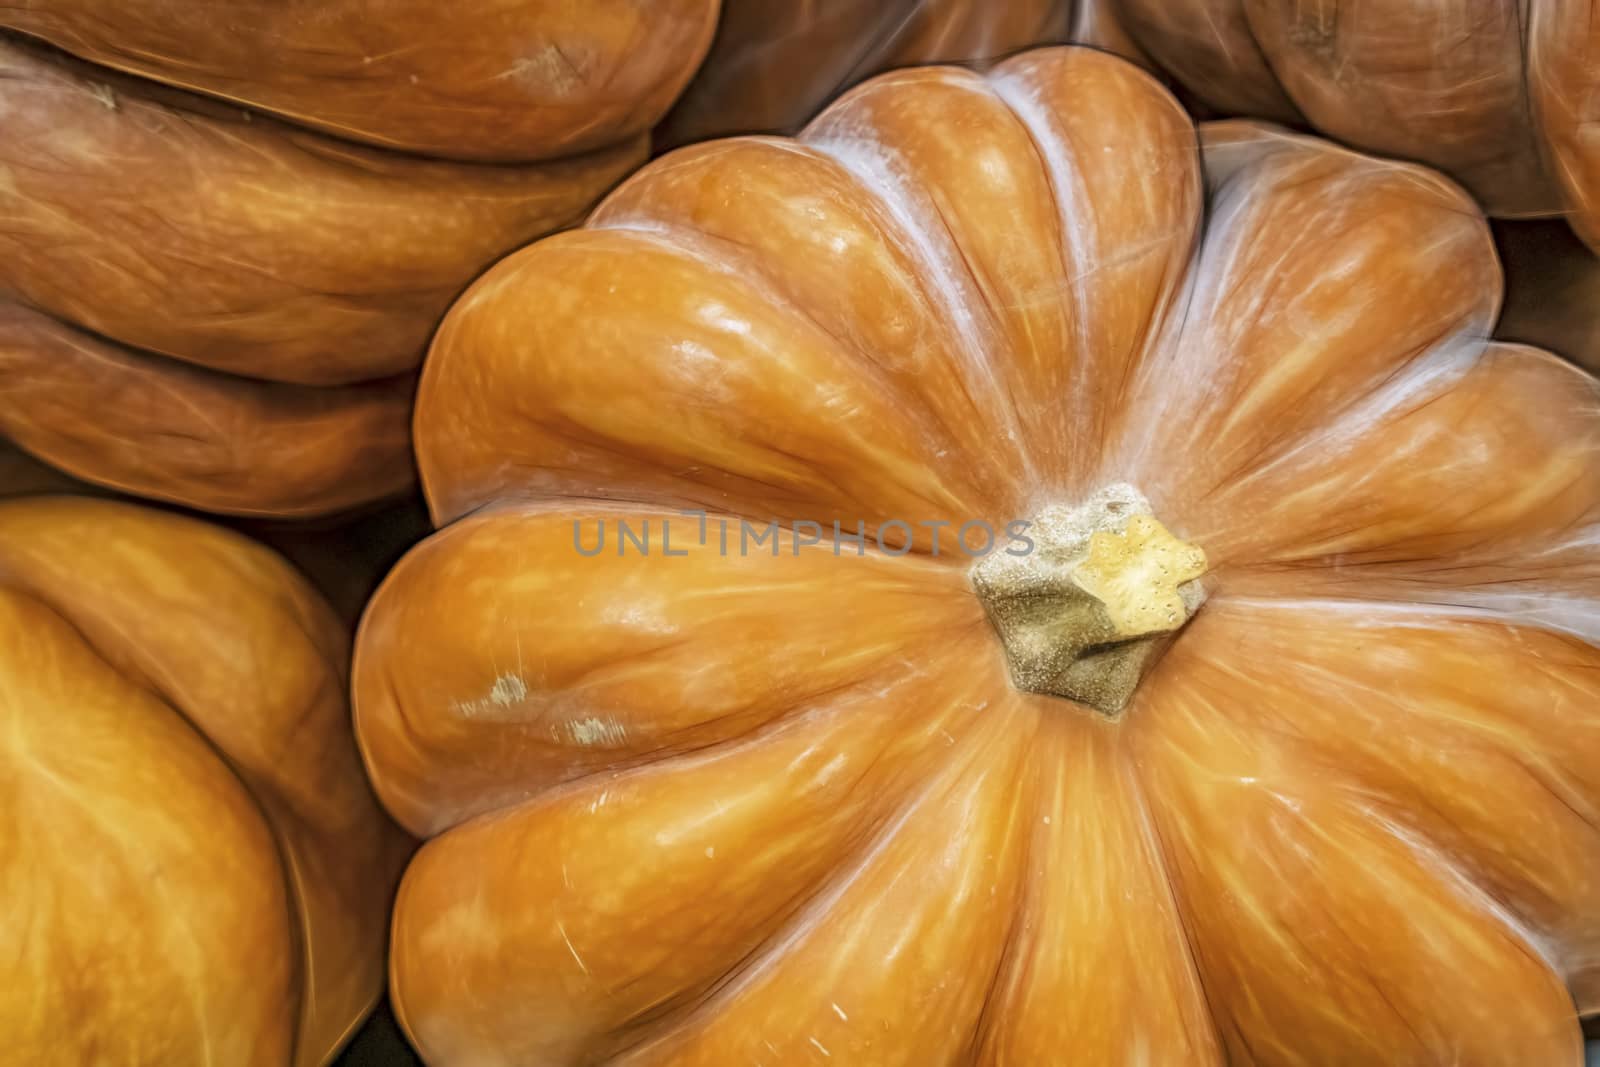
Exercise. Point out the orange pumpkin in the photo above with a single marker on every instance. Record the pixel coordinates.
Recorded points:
(194, 870)
(1278, 742)
(510, 81)
(1494, 92)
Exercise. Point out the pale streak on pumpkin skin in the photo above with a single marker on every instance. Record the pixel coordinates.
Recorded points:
(481, 975)
(1369, 266)
(250, 662)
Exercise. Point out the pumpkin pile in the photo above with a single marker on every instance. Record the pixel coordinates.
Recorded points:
(985, 550)
(225, 308)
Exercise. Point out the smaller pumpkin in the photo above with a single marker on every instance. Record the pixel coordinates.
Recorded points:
(510, 81)
(1497, 94)
(193, 869)
(212, 308)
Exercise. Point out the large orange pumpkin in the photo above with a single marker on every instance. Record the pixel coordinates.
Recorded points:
(194, 870)
(1498, 93)
(1280, 745)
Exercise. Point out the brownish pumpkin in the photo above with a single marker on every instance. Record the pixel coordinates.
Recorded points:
(1497, 93)
(193, 869)
(802, 800)
(498, 80)
(212, 308)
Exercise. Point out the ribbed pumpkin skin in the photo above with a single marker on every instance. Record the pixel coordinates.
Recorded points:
(740, 808)
(507, 81)
(1493, 92)
(194, 870)
(208, 307)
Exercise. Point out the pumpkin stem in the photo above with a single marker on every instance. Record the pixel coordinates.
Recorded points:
(1087, 611)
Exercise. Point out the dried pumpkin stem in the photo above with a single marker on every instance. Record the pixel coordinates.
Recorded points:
(1086, 613)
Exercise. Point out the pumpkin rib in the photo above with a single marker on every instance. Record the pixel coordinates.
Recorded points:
(1101, 92)
(967, 193)
(309, 450)
(1089, 986)
(1262, 843)
(1514, 804)
(794, 200)
(505, 698)
(541, 380)
(270, 251)
(763, 970)
(724, 257)
(1292, 378)
(498, 84)
(312, 810)
(1245, 88)
(942, 261)
(252, 831)
(1443, 431)
(831, 793)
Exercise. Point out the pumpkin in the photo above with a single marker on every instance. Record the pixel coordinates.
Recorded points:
(194, 868)
(1200, 671)
(211, 308)
(512, 81)
(1496, 93)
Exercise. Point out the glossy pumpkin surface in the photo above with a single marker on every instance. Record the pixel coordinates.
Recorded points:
(208, 307)
(194, 870)
(1498, 93)
(501, 80)
(788, 804)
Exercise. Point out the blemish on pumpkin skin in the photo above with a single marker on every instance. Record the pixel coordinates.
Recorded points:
(103, 93)
(508, 690)
(602, 733)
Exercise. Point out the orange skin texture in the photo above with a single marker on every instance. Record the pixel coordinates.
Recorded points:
(1496, 93)
(504, 81)
(201, 863)
(218, 310)
(740, 807)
